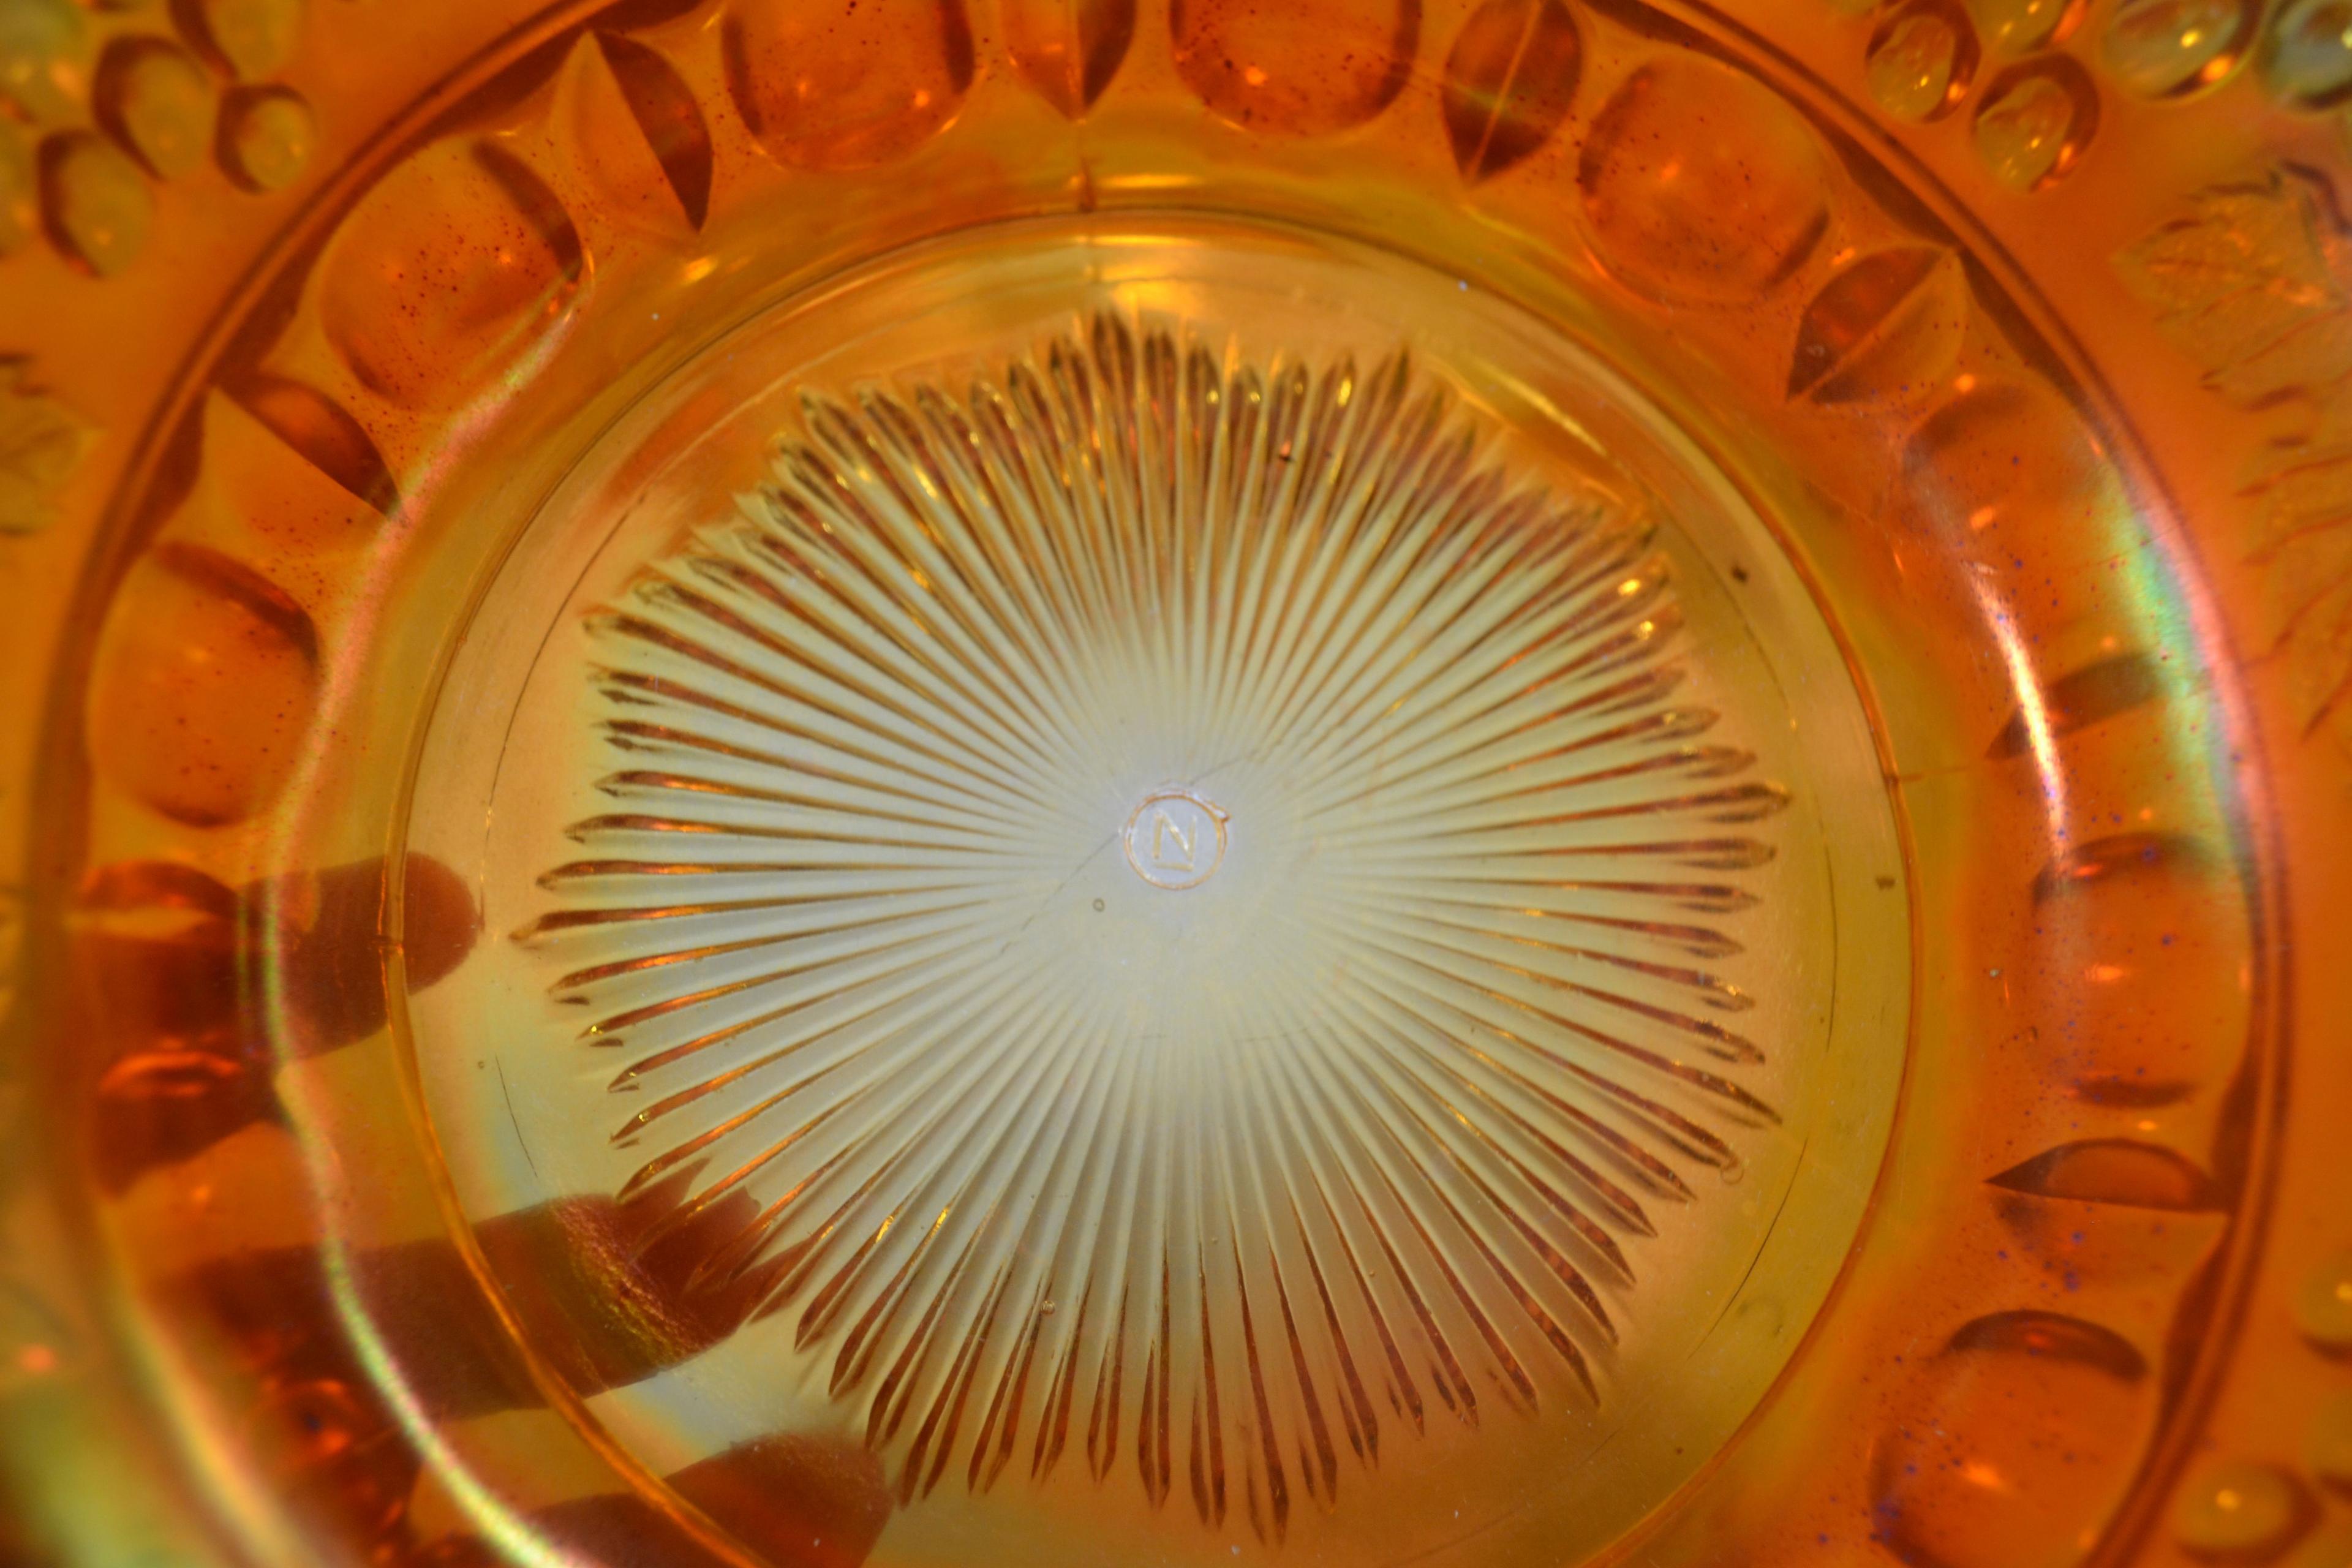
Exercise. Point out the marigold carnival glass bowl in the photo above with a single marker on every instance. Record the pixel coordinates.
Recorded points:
(1163, 782)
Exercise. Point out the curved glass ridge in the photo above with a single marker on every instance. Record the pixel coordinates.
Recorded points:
(1197, 931)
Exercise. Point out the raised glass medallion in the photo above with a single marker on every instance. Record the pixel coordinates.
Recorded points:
(1218, 899)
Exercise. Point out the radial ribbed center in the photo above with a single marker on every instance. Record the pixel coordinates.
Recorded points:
(1171, 901)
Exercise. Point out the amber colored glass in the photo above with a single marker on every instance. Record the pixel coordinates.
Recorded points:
(938, 782)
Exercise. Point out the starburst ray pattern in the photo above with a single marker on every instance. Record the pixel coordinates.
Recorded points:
(1226, 1184)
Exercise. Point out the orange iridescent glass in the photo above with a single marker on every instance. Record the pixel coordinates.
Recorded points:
(950, 782)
